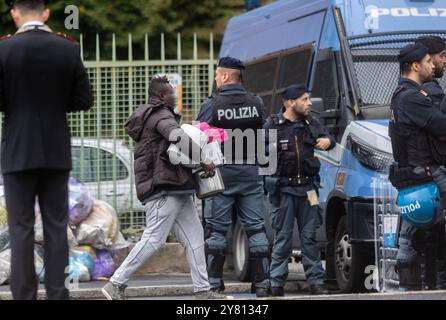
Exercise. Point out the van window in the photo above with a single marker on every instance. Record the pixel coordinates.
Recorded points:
(267, 102)
(325, 84)
(294, 67)
(278, 103)
(259, 76)
(267, 77)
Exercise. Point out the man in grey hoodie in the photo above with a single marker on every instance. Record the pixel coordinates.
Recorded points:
(165, 190)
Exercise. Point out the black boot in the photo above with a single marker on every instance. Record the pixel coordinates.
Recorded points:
(441, 275)
(277, 292)
(430, 269)
(409, 275)
(215, 259)
(318, 289)
(260, 272)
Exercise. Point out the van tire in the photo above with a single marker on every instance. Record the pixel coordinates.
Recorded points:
(240, 253)
(350, 260)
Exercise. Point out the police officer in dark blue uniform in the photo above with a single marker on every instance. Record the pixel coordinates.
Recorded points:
(435, 238)
(42, 78)
(414, 119)
(293, 188)
(235, 109)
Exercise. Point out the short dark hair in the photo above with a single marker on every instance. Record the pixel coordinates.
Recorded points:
(30, 6)
(406, 67)
(158, 85)
(236, 75)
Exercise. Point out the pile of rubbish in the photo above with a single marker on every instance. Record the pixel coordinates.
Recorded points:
(96, 244)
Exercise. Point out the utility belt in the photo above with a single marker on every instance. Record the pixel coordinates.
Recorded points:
(295, 181)
(409, 176)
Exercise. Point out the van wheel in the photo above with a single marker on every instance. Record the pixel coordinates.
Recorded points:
(240, 253)
(350, 260)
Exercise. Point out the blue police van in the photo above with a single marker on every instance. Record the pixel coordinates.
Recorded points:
(345, 52)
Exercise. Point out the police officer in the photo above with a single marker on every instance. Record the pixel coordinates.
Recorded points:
(232, 107)
(42, 77)
(293, 188)
(413, 119)
(435, 238)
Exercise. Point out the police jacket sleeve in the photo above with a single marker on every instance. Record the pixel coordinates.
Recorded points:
(443, 104)
(421, 112)
(82, 96)
(262, 110)
(205, 114)
(169, 128)
(266, 127)
(323, 133)
(2, 91)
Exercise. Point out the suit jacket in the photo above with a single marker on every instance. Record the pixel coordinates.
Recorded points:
(42, 77)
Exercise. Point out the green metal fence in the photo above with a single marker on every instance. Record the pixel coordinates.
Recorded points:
(102, 152)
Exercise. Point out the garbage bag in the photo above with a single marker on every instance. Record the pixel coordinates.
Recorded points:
(88, 249)
(104, 265)
(38, 229)
(119, 250)
(101, 228)
(71, 238)
(80, 202)
(78, 272)
(5, 266)
(39, 237)
(4, 230)
(38, 262)
(84, 255)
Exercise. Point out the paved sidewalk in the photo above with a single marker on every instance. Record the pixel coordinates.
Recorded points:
(158, 285)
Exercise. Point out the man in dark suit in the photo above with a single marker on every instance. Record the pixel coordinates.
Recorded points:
(42, 78)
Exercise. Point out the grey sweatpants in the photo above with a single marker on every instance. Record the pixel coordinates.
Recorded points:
(174, 213)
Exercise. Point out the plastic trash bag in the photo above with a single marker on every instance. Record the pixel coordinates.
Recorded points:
(80, 202)
(4, 230)
(84, 255)
(5, 266)
(120, 250)
(38, 233)
(38, 262)
(104, 266)
(38, 229)
(101, 228)
(71, 238)
(78, 272)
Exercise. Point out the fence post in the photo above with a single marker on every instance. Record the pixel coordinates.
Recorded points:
(146, 58)
(163, 54)
(211, 63)
(195, 82)
(114, 113)
(99, 111)
(81, 118)
(130, 106)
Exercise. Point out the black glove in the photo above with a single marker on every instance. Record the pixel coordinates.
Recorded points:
(208, 170)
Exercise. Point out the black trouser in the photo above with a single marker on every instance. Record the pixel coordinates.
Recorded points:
(51, 188)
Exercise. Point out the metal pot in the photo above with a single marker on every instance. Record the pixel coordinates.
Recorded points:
(209, 187)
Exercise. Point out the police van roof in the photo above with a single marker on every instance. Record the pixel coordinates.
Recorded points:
(289, 23)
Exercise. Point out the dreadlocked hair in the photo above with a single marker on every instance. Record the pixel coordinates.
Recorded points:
(157, 85)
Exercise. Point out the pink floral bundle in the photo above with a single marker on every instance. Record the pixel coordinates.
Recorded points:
(214, 134)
